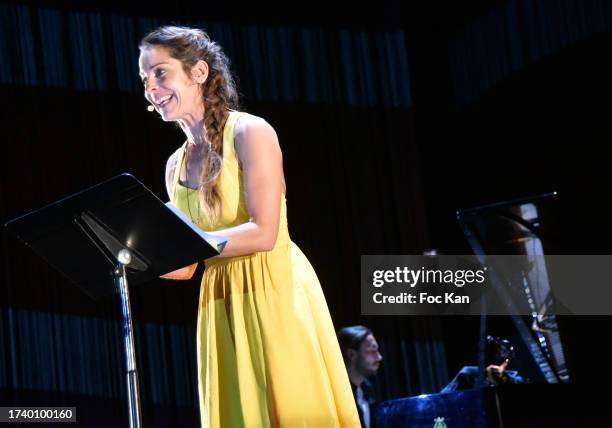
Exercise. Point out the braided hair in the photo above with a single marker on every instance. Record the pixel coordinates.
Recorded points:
(220, 95)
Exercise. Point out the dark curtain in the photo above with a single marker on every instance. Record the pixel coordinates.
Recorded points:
(73, 115)
(516, 34)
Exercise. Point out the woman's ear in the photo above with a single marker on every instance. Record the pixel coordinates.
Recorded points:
(199, 72)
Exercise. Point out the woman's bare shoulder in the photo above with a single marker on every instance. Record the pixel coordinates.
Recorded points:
(173, 158)
(249, 126)
(170, 167)
(247, 120)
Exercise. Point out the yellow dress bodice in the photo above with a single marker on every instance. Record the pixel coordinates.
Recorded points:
(234, 210)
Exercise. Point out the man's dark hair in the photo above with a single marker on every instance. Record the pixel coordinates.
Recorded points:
(351, 338)
(498, 350)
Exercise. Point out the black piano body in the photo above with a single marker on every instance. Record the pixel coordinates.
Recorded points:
(527, 405)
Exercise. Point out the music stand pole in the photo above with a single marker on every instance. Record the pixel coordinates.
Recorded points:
(125, 257)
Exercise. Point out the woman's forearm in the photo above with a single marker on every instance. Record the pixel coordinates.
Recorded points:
(247, 238)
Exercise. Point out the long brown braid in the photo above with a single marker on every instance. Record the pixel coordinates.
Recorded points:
(190, 45)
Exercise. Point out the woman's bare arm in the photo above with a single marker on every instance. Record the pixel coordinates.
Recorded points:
(259, 153)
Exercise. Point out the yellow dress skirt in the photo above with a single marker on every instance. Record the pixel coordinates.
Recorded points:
(267, 349)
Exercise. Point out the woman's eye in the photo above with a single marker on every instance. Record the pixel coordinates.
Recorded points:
(159, 73)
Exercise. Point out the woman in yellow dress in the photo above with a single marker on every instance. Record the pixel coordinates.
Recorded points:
(267, 351)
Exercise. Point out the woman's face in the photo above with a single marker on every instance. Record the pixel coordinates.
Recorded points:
(173, 93)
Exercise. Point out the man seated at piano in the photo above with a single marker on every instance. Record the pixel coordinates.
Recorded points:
(362, 358)
(498, 355)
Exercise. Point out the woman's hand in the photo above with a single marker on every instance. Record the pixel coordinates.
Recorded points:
(183, 273)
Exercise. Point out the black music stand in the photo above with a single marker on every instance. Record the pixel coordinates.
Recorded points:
(100, 237)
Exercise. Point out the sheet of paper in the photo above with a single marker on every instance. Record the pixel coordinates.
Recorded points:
(215, 241)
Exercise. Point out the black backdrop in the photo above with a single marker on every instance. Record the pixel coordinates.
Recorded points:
(366, 173)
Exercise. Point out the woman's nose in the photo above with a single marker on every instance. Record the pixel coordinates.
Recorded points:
(150, 86)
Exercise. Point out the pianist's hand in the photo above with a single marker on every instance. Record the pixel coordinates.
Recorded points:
(496, 374)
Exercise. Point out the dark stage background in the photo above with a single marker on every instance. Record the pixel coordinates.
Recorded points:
(391, 118)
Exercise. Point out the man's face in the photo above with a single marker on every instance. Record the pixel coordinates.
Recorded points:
(368, 359)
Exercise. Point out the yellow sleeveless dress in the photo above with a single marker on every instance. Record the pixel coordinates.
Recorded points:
(267, 350)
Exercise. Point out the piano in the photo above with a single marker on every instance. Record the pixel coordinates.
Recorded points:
(526, 405)
(575, 390)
